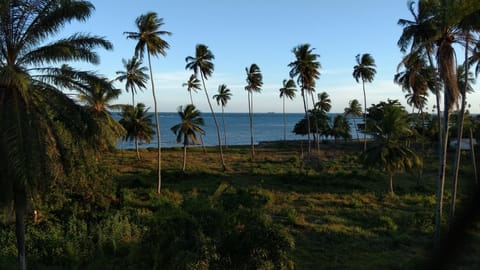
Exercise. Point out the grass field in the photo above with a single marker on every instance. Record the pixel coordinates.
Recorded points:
(339, 214)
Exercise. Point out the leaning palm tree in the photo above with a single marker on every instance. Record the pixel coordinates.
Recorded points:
(354, 110)
(134, 76)
(254, 84)
(42, 131)
(202, 64)
(287, 91)
(149, 38)
(222, 99)
(97, 95)
(188, 128)
(138, 125)
(193, 84)
(306, 69)
(365, 71)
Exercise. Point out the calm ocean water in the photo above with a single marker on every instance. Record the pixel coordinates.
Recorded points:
(267, 127)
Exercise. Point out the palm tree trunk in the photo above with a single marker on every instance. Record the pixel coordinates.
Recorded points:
(250, 111)
(474, 160)
(224, 167)
(441, 172)
(191, 98)
(136, 148)
(157, 124)
(460, 121)
(456, 164)
(185, 143)
(391, 185)
(364, 118)
(284, 122)
(224, 128)
(20, 204)
(308, 121)
(316, 137)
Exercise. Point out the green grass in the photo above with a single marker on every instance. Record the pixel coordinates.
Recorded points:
(340, 214)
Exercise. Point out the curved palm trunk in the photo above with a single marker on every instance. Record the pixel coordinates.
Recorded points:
(136, 148)
(364, 118)
(224, 127)
(441, 171)
(460, 121)
(20, 204)
(284, 122)
(224, 167)
(391, 185)
(308, 120)
(250, 114)
(157, 124)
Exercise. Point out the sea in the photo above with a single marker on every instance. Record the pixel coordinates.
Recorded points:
(266, 127)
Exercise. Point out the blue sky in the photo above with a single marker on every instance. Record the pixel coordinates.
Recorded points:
(242, 32)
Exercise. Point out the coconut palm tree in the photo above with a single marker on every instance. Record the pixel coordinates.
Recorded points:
(254, 84)
(134, 75)
(202, 64)
(42, 131)
(287, 91)
(365, 71)
(193, 83)
(138, 125)
(222, 99)
(324, 103)
(306, 69)
(388, 151)
(354, 110)
(188, 128)
(340, 127)
(97, 96)
(149, 38)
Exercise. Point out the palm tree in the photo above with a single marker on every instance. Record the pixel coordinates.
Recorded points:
(340, 127)
(254, 84)
(202, 64)
(388, 151)
(287, 91)
(222, 99)
(42, 131)
(134, 76)
(193, 83)
(188, 128)
(324, 103)
(138, 125)
(354, 110)
(305, 68)
(364, 70)
(96, 96)
(149, 38)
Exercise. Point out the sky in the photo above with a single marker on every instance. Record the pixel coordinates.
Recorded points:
(242, 32)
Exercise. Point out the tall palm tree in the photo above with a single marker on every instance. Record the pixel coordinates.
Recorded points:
(254, 84)
(41, 129)
(149, 38)
(138, 125)
(354, 110)
(287, 91)
(193, 83)
(188, 128)
(306, 69)
(388, 151)
(365, 71)
(97, 96)
(134, 75)
(222, 99)
(202, 64)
